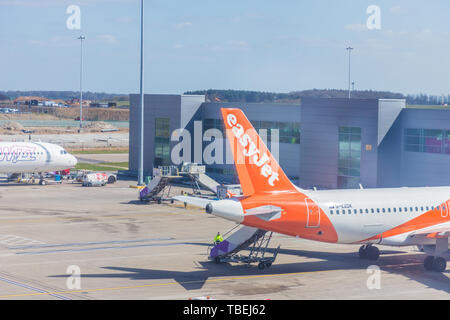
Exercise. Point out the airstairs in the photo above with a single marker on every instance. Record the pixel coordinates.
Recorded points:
(158, 189)
(198, 176)
(241, 238)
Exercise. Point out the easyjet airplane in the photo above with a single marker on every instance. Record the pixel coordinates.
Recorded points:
(395, 217)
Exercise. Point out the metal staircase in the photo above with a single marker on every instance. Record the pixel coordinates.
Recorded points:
(162, 177)
(198, 176)
(244, 237)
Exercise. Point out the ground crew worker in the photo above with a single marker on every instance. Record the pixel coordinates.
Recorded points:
(218, 239)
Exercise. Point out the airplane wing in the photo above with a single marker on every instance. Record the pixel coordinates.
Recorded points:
(442, 231)
(198, 202)
(265, 212)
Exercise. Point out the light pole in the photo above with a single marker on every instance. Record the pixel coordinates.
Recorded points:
(141, 105)
(349, 49)
(81, 38)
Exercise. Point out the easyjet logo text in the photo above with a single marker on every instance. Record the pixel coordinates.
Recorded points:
(251, 151)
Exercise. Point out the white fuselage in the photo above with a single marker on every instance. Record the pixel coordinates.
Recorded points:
(361, 214)
(31, 157)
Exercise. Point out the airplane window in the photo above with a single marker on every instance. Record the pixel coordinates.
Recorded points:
(421, 208)
(343, 211)
(417, 209)
(349, 211)
(337, 211)
(427, 208)
(394, 209)
(383, 210)
(371, 210)
(331, 211)
(389, 210)
(360, 210)
(367, 210)
(378, 210)
(399, 209)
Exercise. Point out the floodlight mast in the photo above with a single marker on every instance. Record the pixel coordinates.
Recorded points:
(141, 105)
(81, 38)
(349, 49)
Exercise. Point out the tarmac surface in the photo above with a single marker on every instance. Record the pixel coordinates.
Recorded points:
(124, 249)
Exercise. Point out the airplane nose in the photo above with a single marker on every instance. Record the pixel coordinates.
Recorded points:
(73, 161)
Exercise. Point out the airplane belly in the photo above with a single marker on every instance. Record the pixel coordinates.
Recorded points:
(354, 228)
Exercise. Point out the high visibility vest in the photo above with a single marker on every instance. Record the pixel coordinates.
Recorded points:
(218, 238)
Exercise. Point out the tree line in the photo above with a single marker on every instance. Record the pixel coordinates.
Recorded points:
(215, 95)
(64, 95)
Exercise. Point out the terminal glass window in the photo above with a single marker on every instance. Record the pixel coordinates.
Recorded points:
(349, 168)
(162, 142)
(289, 132)
(213, 124)
(426, 140)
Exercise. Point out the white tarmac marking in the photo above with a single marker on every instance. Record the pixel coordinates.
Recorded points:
(11, 240)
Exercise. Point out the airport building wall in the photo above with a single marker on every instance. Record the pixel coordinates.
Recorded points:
(425, 148)
(163, 114)
(324, 143)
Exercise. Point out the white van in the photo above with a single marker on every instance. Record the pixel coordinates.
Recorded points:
(95, 179)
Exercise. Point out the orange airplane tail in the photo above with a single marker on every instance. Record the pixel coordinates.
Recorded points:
(258, 170)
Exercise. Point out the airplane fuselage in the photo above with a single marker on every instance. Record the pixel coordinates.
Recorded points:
(385, 216)
(24, 157)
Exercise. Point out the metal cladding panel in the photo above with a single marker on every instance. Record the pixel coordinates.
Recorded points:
(321, 119)
(388, 112)
(289, 154)
(190, 104)
(134, 133)
(390, 155)
(420, 169)
(282, 112)
(155, 106)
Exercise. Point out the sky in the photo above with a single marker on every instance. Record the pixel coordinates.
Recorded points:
(262, 45)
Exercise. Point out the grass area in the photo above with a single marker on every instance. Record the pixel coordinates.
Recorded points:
(106, 166)
(123, 164)
(122, 103)
(98, 151)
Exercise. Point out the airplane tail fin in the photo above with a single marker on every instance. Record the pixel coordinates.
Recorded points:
(257, 169)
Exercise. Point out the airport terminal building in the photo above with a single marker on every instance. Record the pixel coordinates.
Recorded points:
(323, 143)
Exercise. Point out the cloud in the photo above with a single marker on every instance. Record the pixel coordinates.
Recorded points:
(55, 41)
(238, 43)
(356, 27)
(178, 46)
(398, 10)
(125, 19)
(50, 3)
(108, 38)
(183, 25)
